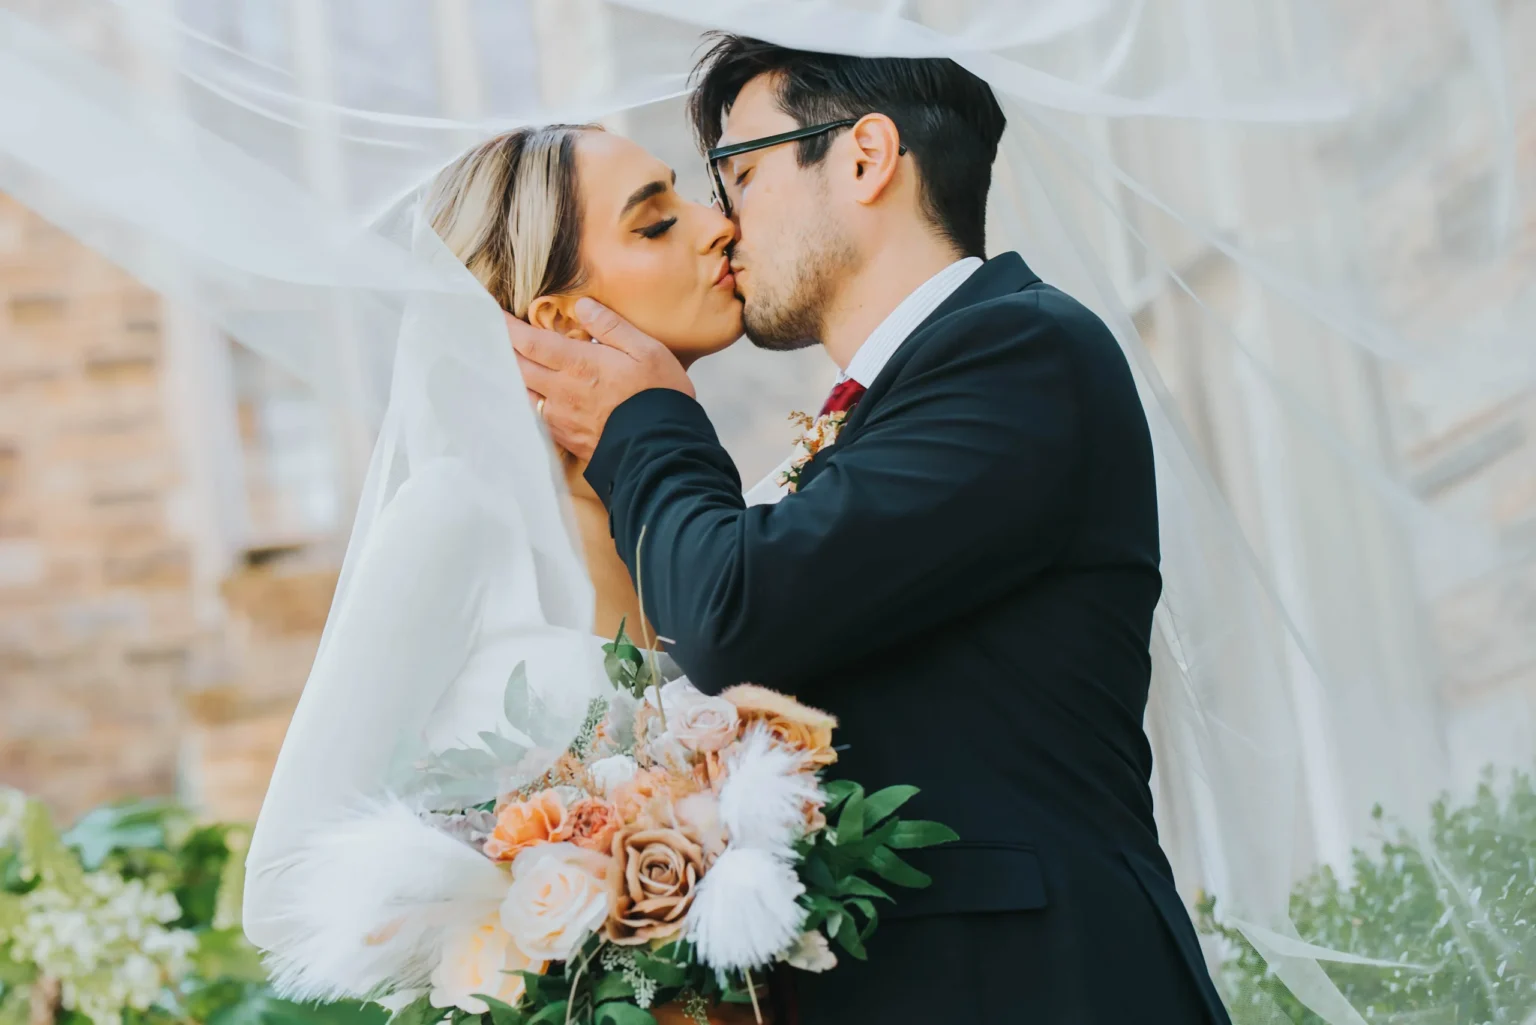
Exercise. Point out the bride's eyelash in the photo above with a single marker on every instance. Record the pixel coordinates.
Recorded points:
(658, 229)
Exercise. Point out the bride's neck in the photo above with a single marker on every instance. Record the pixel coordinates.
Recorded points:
(575, 475)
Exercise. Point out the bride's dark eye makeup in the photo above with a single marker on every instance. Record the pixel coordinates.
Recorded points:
(658, 229)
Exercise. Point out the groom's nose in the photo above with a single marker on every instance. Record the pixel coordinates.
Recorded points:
(723, 233)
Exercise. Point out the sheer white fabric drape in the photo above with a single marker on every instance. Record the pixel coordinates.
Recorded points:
(1209, 176)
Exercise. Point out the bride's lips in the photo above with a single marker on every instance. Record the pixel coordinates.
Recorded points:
(725, 279)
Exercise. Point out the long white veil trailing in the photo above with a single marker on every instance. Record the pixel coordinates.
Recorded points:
(1302, 219)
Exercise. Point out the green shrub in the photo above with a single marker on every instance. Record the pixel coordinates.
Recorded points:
(1462, 906)
(132, 917)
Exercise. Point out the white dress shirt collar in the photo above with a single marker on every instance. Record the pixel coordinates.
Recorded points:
(883, 342)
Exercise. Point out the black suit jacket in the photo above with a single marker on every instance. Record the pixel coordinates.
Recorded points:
(966, 578)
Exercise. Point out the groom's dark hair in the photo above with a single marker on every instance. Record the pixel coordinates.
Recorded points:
(948, 118)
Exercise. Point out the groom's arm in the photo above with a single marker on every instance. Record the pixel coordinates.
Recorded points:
(961, 485)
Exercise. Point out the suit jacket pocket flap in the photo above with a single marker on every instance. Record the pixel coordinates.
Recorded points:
(970, 878)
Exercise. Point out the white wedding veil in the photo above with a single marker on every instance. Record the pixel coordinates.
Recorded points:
(1301, 218)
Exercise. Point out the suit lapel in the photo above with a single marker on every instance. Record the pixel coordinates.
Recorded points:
(1002, 275)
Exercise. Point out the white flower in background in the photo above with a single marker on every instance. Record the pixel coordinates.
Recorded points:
(767, 790)
(558, 898)
(480, 961)
(811, 953)
(747, 911)
(612, 772)
(110, 947)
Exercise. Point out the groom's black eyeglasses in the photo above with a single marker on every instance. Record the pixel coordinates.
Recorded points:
(736, 149)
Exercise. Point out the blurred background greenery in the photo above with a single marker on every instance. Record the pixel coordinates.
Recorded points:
(132, 917)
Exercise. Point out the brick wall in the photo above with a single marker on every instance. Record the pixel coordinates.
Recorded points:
(96, 623)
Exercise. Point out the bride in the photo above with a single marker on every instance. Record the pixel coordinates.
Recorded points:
(545, 216)
(541, 217)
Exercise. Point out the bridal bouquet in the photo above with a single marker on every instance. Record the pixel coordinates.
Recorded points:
(681, 847)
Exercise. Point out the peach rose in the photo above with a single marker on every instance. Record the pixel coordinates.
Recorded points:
(523, 824)
(815, 817)
(590, 824)
(559, 896)
(481, 961)
(657, 875)
(787, 721)
(643, 793)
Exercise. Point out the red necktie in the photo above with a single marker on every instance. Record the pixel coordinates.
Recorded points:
(844, 397)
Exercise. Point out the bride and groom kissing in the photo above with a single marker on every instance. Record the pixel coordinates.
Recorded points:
(964, 570)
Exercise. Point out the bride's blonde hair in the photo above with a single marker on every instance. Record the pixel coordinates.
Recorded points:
(510, 209)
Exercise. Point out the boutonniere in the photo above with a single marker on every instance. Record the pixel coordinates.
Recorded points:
(816, 433)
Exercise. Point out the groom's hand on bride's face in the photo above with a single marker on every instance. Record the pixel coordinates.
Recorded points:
(581, 383)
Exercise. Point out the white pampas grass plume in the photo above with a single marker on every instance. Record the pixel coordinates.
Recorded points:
(747, 910)
(766, 791)
(364, 906)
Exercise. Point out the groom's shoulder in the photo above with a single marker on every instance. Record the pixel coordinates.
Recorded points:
(1034, 320)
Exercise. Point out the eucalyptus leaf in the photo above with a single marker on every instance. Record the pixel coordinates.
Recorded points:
(516, 701)
(838, 791)
(853, 886)
(893, 870)
(846, 933)
(909, 835)
(503, 749)
(871, 916)
(885, 802)
(850, 823)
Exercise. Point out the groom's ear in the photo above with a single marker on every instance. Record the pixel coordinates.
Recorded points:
(557, 313)
(877, 154)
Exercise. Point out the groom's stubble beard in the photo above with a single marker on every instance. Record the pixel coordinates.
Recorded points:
(789, 311)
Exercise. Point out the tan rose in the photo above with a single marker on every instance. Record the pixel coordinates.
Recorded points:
(657, 874)
(633, 795)
(787, 721)
(522, 824)
(590, 824)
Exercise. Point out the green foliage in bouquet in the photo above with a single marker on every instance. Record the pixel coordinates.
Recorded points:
(860, 843)
(1461, 907)
(132, 917)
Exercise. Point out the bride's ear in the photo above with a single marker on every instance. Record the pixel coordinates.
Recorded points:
(556, 313)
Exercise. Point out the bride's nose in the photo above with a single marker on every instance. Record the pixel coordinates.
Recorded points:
(719, 232)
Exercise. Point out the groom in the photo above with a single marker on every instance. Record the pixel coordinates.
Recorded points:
(965, 577)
